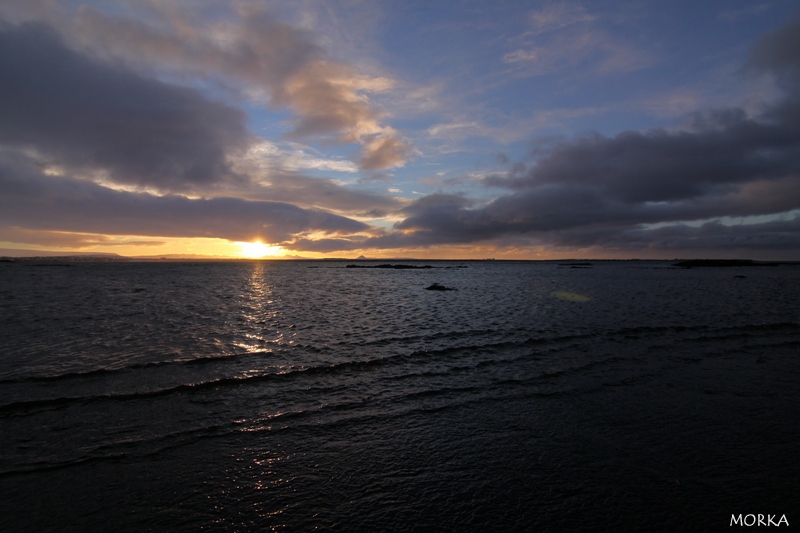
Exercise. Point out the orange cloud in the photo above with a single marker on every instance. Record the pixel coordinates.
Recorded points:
(384, 151)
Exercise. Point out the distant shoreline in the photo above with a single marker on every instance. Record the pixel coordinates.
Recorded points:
(370, 263)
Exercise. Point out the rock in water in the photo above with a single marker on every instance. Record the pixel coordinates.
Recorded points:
(438, 287)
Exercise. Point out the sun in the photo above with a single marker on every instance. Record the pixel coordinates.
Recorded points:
(257, 249)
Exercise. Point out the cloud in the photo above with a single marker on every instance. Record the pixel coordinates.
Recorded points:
(297, 158)
(32, 200)
(106, 123)
(557, 16)
(87, 115)
(384, 151)
(274, 176)
(379, 177)
(323, 245)
(562, 36)
(522, 55)
(740, 167)
(514, 128)
(779, 54)
(659, 166)
(767, 236)
(732, 15)
(60, 239)
(594, 51)
(454, 130)
(274, 62)
(637, 190)
(96, 110)
(295, 188)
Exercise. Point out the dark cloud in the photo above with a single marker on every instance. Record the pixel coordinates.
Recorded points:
(778, 53)
(660, 166)
(776, 235)
(775, 239)
(32, 200)
(83, 114)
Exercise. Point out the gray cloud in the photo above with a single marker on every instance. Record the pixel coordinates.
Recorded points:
(60, 239)
(776, 235)
(32, 200)
(84, 114)
(659, 166)
(272, 180)
(324, 245)
(778, 53)
(291, 187)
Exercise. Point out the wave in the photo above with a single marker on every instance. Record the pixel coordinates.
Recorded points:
(710, 333)
(127, 449)
(104, 372)
(542, 346)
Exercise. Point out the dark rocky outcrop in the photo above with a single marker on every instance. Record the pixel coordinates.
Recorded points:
(398, 267)
(438, 287)
(699, 263)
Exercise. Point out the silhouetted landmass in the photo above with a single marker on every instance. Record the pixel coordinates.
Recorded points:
(438, 287)
(60, 260)
(575, 264)
(700, 263)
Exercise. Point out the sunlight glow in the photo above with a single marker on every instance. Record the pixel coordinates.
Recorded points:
(256, 250)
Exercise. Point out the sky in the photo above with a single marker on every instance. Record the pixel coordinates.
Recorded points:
(447, 129)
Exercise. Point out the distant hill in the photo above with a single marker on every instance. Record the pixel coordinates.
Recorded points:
(199, 257)
(15, 252)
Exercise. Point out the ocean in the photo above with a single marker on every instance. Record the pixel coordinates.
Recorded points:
(308, 396)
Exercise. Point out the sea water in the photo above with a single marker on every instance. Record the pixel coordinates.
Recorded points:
(299, 396)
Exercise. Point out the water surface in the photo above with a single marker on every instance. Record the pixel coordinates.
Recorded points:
(302, 395)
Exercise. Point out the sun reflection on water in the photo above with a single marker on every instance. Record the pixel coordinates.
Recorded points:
(262, 329)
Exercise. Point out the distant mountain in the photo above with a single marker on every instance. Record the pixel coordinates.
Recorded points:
(15, 252)
(177, 257)
(200, 257)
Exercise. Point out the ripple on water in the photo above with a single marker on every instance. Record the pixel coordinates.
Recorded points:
(235, 395)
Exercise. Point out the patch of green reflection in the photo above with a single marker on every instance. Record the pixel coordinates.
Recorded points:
(571, 296)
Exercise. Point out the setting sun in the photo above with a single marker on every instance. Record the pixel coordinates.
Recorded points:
(256, 250)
